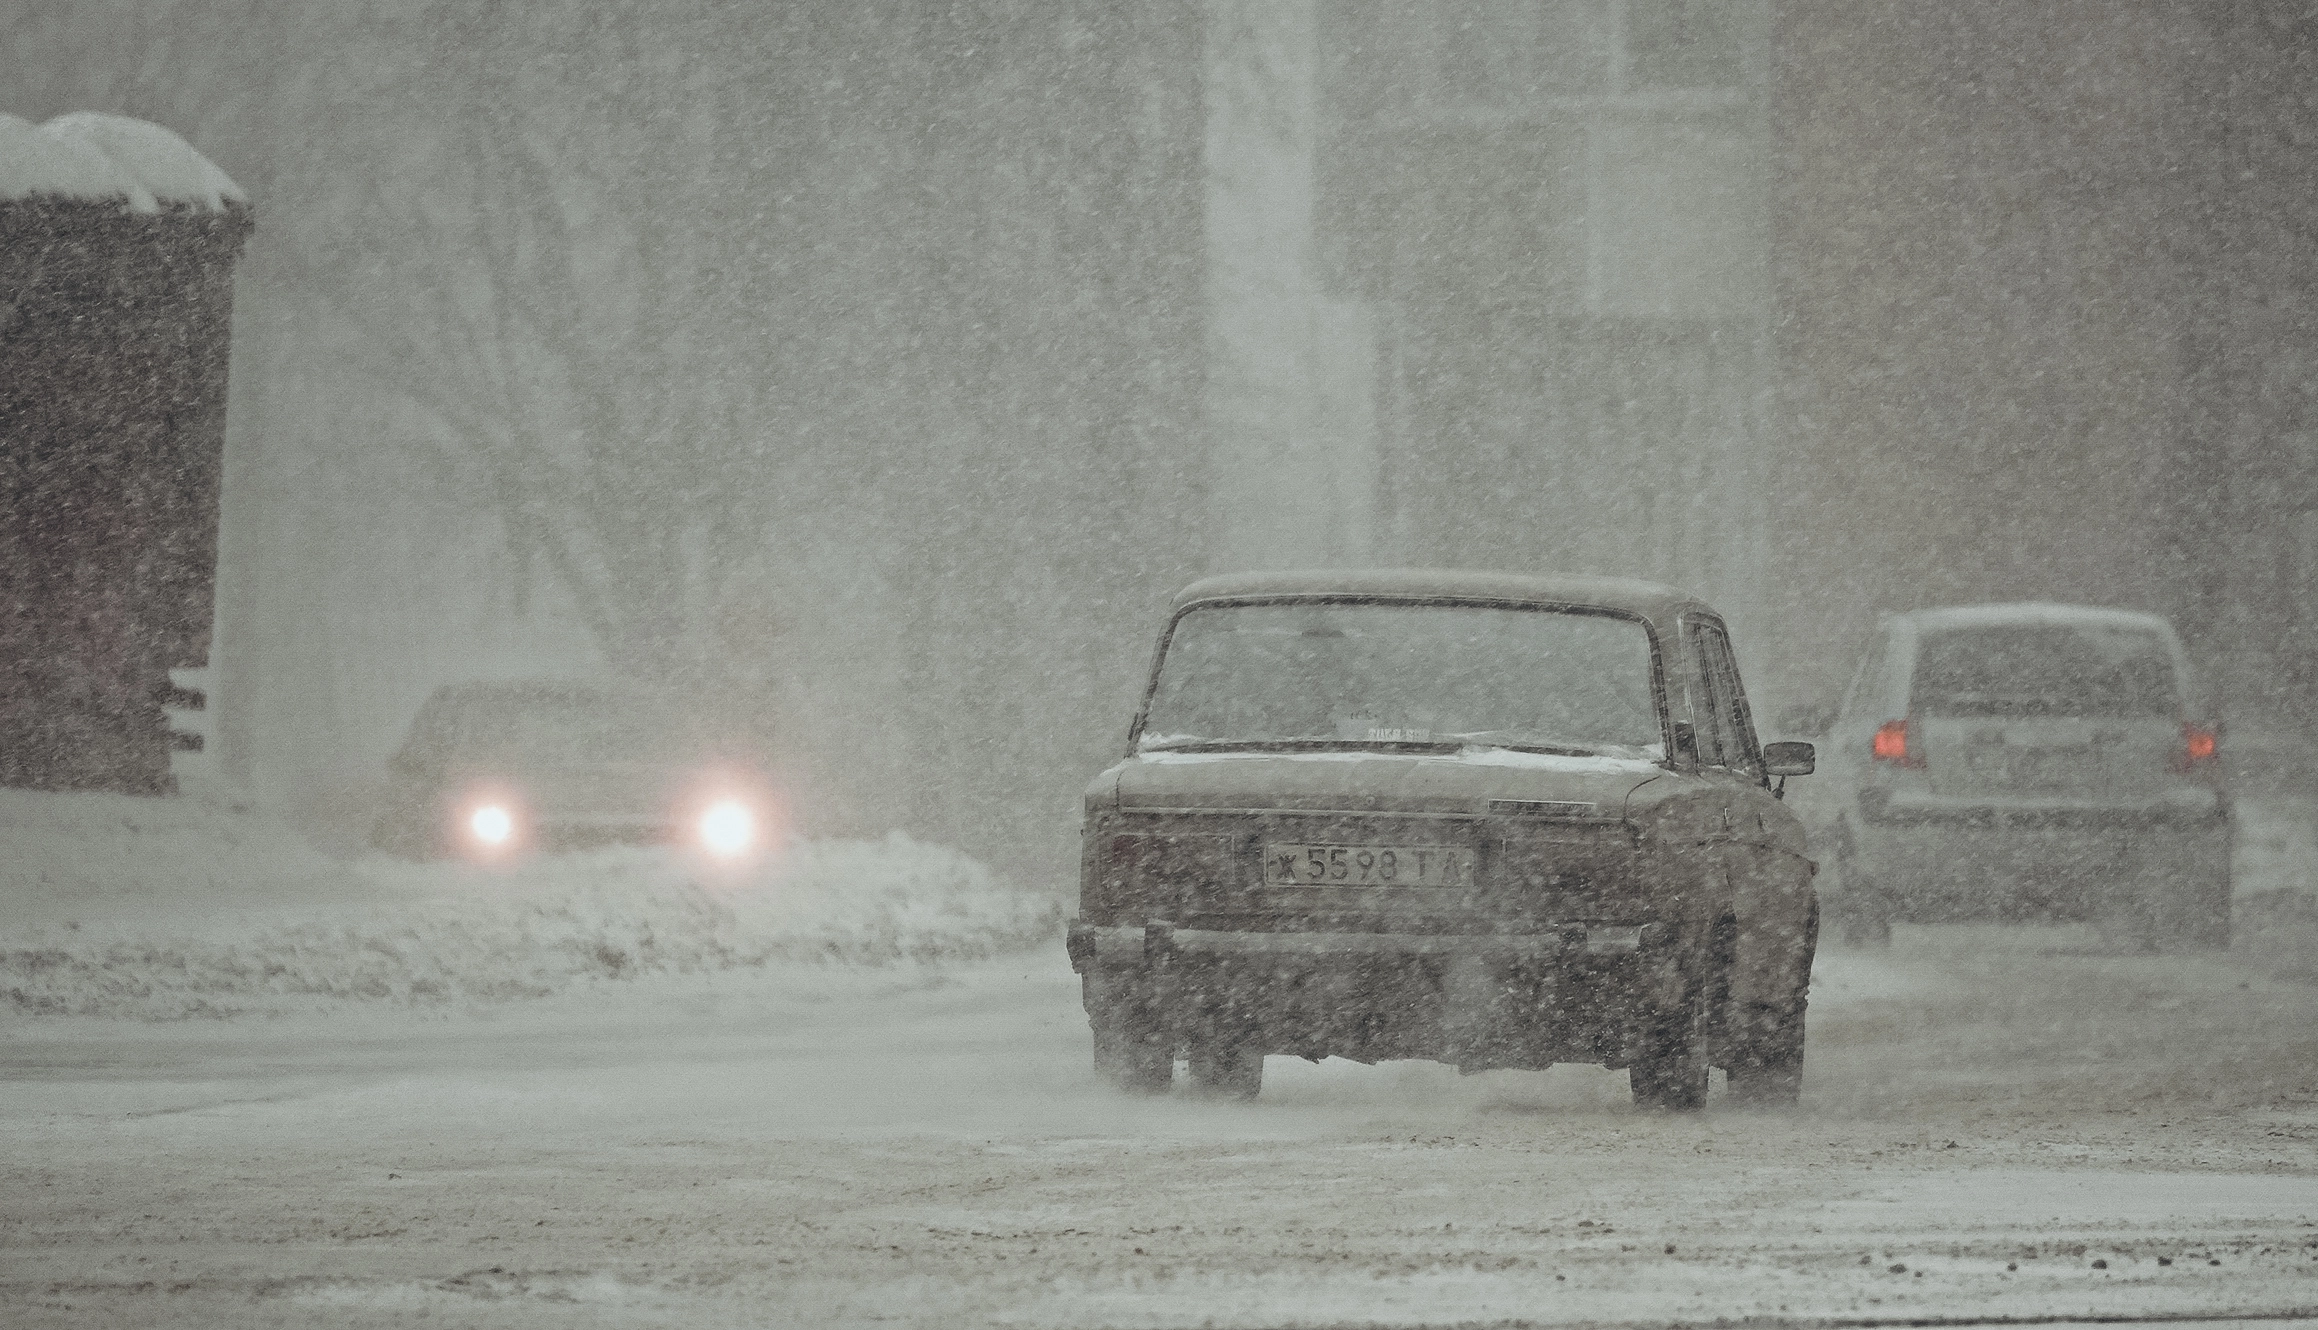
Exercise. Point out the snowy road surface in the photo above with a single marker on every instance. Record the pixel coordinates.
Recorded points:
(1996, 1124)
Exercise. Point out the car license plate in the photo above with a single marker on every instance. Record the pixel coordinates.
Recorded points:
(1303, 865)
(2036, 769)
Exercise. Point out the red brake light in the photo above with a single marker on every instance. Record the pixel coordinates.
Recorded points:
(2198, 744)
(1891, 744)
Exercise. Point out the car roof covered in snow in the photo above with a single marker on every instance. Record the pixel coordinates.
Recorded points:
(1950, 617)
(1648, 599)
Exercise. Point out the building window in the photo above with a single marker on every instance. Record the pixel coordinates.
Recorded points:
(1685, 43)
(1507, 53)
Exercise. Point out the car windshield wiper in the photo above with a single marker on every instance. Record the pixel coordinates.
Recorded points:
(1488, 739)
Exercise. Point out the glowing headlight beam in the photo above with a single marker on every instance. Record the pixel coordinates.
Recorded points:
(491, 824)
(728, 827)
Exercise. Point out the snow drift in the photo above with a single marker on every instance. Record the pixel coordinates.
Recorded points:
(164, 909)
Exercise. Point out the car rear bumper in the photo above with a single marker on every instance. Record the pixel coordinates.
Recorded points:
(1090, 944)
(1935, 860)
(1478, 1000)
(2185, 807)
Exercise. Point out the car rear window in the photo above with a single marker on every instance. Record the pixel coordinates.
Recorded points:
(1362, 672)
(2045, 669)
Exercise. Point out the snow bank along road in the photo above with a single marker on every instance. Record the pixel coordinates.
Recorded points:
(1996, 1123)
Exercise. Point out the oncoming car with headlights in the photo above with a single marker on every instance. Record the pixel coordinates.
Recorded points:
(493, 770)
(1491, 820)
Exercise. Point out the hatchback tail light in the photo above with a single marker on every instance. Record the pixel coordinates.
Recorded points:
(1892, 745)
(2200, 747)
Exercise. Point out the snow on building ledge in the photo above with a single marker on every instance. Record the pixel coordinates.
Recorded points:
(90, 157)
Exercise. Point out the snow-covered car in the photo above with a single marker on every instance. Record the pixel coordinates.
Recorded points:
(2028, 762)
(495, 769)
(1478, 818)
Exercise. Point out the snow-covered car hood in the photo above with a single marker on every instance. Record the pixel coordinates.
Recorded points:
(583, 790)
(1465, 781)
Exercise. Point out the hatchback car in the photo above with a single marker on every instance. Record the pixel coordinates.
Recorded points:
(490, 770)
(2029, 762)
(1491, 820)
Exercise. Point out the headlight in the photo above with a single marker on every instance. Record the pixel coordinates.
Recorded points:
(728, 828)
(492, 825)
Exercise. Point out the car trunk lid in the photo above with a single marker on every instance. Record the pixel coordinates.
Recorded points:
(1480, 841)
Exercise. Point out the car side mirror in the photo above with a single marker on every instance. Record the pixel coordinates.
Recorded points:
(1791, 758)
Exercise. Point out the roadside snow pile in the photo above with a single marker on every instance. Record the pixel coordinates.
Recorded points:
(89, 857)
(380, 931)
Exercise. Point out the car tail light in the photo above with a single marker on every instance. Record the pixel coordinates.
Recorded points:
(2200, 747)
(1161, 871)
(1891, 745)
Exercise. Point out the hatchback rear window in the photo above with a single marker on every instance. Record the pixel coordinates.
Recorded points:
(2045, 669)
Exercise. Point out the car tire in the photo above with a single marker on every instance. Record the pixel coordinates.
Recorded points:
(2205, 925)
(1131, 1052)
(1669, 1071)
(1231, 1069)
(1766, 1069)
(1764, 1043)
(2187, 914)
(2129, 923)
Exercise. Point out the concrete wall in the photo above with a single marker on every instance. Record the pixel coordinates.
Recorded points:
(1558, 215)
(2045, 330)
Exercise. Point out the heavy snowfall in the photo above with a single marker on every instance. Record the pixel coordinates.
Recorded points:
(859, 380)
(250, 1086)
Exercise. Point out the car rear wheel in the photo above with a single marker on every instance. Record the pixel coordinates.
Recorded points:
(1229, 1068)
(1131, 1052)
(1766, 1070)
(1763, 1043)
(2205, 922)
(2173, 910)
(1669, 1070)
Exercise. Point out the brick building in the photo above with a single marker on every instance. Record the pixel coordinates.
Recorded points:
(117, 245)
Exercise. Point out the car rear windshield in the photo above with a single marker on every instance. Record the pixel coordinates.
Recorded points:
(1364, 672)
(2045, 669)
